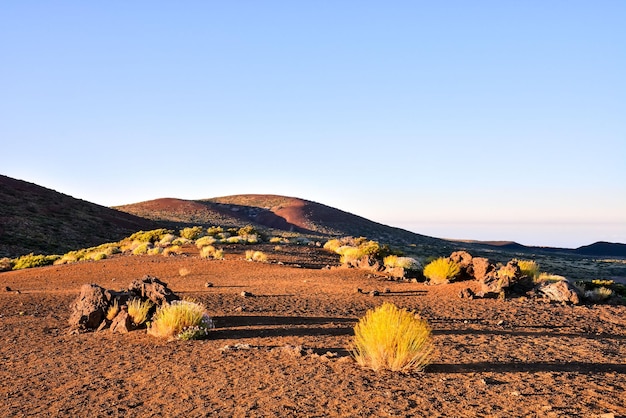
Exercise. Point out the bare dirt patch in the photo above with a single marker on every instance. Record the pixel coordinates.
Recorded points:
(283, 351)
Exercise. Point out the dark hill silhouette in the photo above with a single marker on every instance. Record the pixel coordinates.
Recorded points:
(43, 221)
(602, 248)
(597, 249)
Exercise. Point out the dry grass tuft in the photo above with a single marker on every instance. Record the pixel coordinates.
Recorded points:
(113, 310)
(138, 310)
(406, 263)
(211, 252)
(181, 319)
(529, 268)
(442, 270)
(389, 338)
(256, 256)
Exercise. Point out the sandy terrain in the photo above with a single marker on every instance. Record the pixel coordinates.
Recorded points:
(513, 358)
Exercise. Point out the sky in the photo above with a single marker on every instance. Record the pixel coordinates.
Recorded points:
(487, 120)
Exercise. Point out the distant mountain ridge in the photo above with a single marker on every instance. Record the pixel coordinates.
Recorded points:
(40, 220)
(597, 249)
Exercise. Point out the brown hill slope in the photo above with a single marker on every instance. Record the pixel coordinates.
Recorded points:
(272, 211)
(41, 220)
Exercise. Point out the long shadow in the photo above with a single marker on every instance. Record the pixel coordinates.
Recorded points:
(278, 332)
(233, 327)
(252, 320)
(405, 293)
(525, 334)
(569, 367)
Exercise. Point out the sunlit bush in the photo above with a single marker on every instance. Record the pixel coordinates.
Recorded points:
(406, 263)
(152, 236)
(31, 260)
(174, 249)
(442, 270)
(204, 241)
(192, 233)
(215, 230)
(141, 249)
(138, 310)
(113, 310)
(256, 256)
(529, 268)
(389, 338)
(181, 319)
(210, 251)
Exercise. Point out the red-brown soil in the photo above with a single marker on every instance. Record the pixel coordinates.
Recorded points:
(512, 358)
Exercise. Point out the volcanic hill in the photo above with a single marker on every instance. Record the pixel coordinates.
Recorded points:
(44, 221)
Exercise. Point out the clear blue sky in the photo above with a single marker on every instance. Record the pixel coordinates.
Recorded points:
(460, 119)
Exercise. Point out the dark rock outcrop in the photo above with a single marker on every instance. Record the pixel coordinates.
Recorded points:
(89, 309)
(153, 289)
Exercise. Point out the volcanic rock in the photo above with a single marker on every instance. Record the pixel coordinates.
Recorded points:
(561, 291)
(152, 288)
(89, 309)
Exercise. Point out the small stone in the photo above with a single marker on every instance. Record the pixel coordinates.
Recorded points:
(359, 290)
(387, 290)
(246, 294)
(500, 322)
(515, 393)
(374, 293)
(17, 292)
(208, 284)
(7, 289)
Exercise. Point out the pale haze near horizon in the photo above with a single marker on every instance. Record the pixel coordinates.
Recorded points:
(472, 120)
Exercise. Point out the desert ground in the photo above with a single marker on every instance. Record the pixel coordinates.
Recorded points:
(283, 351)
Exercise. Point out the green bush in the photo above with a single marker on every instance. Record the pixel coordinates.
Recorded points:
(192, 233)
(442, 270)
(247, 230)
(204, 241)
(30, 261)
(152, 236)
(141, 249)
(214, 230)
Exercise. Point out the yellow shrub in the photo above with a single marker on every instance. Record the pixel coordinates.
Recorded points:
(256, 256)
(204, 241)
(442, 270)
(181, 319)
(407, 263)
(113, 310)
(528, 268)
(389, 338)
(332, 245)
(174, 249)
(211, 252)
(138, 310)
(547, 277)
